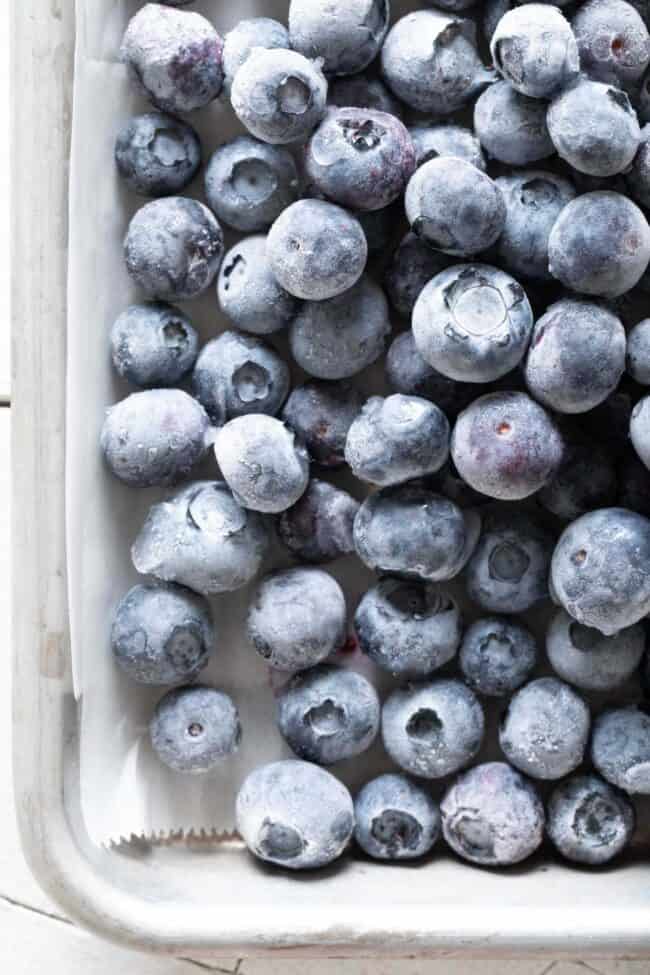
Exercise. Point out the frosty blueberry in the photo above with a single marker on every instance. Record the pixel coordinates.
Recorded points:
(407, 627)
(638, 352)
(497, 655)
(362, 91)
(249, 293)
(620, 749)
(408, 373)
(640, 429)
(446, 139)
(297, 618)
(413, 264)
(173, 248)
(320, 413)
(194, 729)
(244, 38)
(156, 154)
(589, 821)
(347, 37)
(613, 41)
(264, 465)
(318, 528)
(327, 714)
(294, 814)
(201, 538)
(533, 48)
(395, 819)
(153, 344)
(432, 729)
(512, 127)
(586, 479)
(586, 658)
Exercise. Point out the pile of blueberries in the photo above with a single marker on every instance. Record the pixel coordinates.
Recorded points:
(520, 379)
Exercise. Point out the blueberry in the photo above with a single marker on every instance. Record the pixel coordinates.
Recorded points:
(157, 154)
(600, 571)
(153, 344)
(576, 356)
(174, 57)
(249, 183)
(408, 373)
(363, 91)
(446, 139)
(194, 729)
(379, 227)
(429, 60)
(248, 291)
(264, 466)
(585, 480)
(432, 729)
(410, 531)
(408, 628)
(360, 158)
(589, 821)
(336, 339)
(162, 634)
(316, 250)
(454, 207)
(613, 41)
(238, 374)
(155, 437)
(508, 571)
(346, 36)
(321, 413)
(620, 749)
(294, 814)
(397, 439)
(248, 34)
(545, 729)
(493, 11)
(497, 655)
(633, 485)
(533, 48)
(492, 816)
(412, 265)
(201, 537)
(279, 95)
(327, 714)
(584, 657)
(640, 429)
(318, 528)
(395, 819)
(472, 323)
(534, 200)
(448, 481)
(506, 446)
(594, 128)
(512, 127)
(638, 352)
(642, 98)
(173, 248)
(297, 618)
(637, 177)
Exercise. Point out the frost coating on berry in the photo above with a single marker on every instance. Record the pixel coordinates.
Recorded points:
(640, 429)
(363, 91)
(153, 344)
(248, 291)
(157, 154)
(318, 528)
(194, 729)
(395, 819)
(244, 38)
(512, 127)
(589, 821)
(446, 139)
(620, 749)
(347, 37)
(534, 199)
(586, 658)
(613, 41)
(497, 655)
(638, 352)
(533, 48)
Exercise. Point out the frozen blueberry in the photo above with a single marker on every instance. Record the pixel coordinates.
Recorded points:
(449, 482)
(633, 485)
(318, 528)
(600, 571)
(640, 429)
(155, 437)
(594, 128)
(194, 729)
(533, 48)
(327, 714)
(472, 323)
(576, 356)
(429, 61)
(363, 91)
(432, 729)
(173, 248)
(244, 38)
(248, 291)
(395, 819)
(454, 207)
(279, 95)
(337, 338)
(237, 374)
(492, 816)
(412, 265)
(613, 41)
(297, 618)
(637, 177)
(320, 414)
(588, 821)
(202, 538)
(408, 373)
(506, 446)
(264, 465)
(316, 250)
(497, 655)
(620, 749)
(294, 814)
(642, 98)
(360, 158)
(446, 139)
(638, 352)
(534, 199)
(508, 571)
(157, 154)
(249, 183)
(408, 628)
(162, 634)
(174, 57)
(512, 127)
(346, 36)
(153, 344)
(584, 657)
(410, 531)
(545, 729)
(585, 480)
